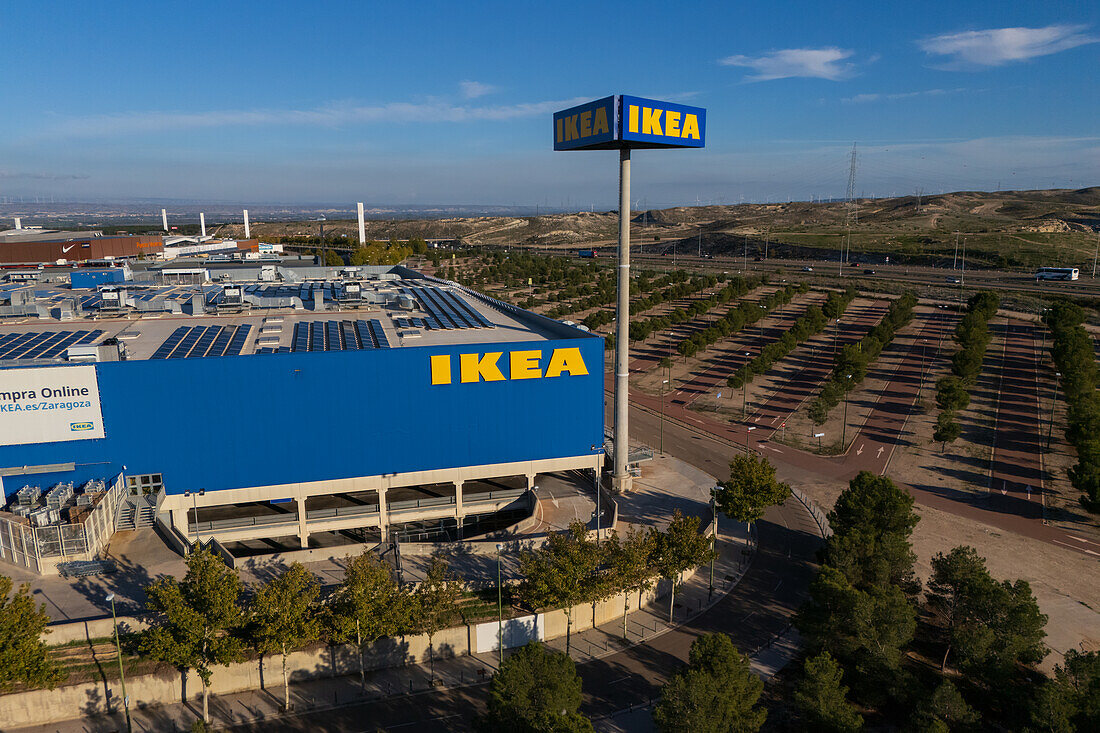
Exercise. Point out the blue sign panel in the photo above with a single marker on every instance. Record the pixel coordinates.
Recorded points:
(661, 124)
(586, 126)
(623, 121)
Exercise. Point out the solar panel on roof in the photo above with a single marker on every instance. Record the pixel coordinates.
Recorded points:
(90, 337)
(332, 336)
(28, 345)
(16, 344)
(170, 343)
(378, 333)
(221, 341)
(71, 338)
(239, 338)
(365, 338)
(204, 342)
(301, 337)
(351, 342)
(44, 345)
(186, 343)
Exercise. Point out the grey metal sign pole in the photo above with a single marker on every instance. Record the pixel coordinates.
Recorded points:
(620, 480)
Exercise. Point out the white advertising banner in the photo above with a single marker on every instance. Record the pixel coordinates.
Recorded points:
(516, 632)
(49, 405)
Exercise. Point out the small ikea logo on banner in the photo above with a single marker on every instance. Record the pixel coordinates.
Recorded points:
(591, 123)
(81, 426)
(663, 123)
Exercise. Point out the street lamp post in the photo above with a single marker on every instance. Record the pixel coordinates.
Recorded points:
(663, 383)
(713, 542)
(500, 610)
(844, 427)
(1053, 404)
(751, 428)
(920, 384)
(121, 674)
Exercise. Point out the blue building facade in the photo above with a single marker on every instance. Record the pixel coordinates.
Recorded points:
(268, 419)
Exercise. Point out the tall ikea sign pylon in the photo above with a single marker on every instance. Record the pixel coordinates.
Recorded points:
(624, 123)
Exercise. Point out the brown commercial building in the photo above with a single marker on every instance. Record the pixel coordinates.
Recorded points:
(38, 248)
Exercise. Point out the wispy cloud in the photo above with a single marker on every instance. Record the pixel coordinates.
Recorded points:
(27, 176)
(998, 46)
(475, 89)
(876, 97)
(818, 63)
(326, 116)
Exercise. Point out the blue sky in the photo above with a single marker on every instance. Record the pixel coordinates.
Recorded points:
(451, 103)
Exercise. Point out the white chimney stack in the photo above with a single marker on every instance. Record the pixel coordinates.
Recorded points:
(164, 219)
(202, 223)
(247, 229)
(19, 222)
(362, 226)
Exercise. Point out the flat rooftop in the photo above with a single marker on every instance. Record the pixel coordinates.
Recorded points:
(232, 317)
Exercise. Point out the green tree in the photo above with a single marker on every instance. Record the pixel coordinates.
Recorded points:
(947, 429)
(1071, 700)
(717, 692)
(628, 558)
(867, 630)
(192, 620)
(333, 258)
(752, 488)
(992, 626)
(434, 602)
(951, 394)
(679, 548)
(536, 689)
(368, 605)
(944, 710)
(24, 657)
(871, 521)
(563, 572)
(285, 616)
(822, 700)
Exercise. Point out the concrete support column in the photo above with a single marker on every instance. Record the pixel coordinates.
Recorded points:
(530, 482)
(303, 530)
(383, 515)
(460, 513)
(621, 480)
(179, 521)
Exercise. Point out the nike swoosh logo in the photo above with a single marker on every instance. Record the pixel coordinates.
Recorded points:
(66, 249)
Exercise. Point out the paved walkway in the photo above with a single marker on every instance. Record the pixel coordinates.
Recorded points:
(735, 557)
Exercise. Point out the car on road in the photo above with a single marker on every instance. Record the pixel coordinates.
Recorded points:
(869, 272)
(807, 268)
(953, 280)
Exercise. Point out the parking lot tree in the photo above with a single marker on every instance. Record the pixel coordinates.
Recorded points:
(990, 626)
(285, 616)
(871, 521)
(536, 689)
(434, 602)
(717, 692)
(680, 547)
(751, 489)
(368, 605)
(821, 699)
(24, 657)
(561, 572)
(951, 393)
(628, 560)
(193, 621)
(947, 429)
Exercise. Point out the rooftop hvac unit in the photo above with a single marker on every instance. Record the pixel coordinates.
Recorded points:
(352, 292)
(113, 299)
(232, 295)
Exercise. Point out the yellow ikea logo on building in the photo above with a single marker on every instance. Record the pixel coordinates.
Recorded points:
(489, 367)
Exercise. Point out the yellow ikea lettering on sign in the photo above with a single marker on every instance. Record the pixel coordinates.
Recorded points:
(647, 121)
(483, 369)
(587, 123)
(526, 364)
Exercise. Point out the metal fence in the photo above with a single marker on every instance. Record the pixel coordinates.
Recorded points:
(27, 546)
(816, 512)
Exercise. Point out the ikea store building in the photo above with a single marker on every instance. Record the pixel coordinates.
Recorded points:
(275, 409)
